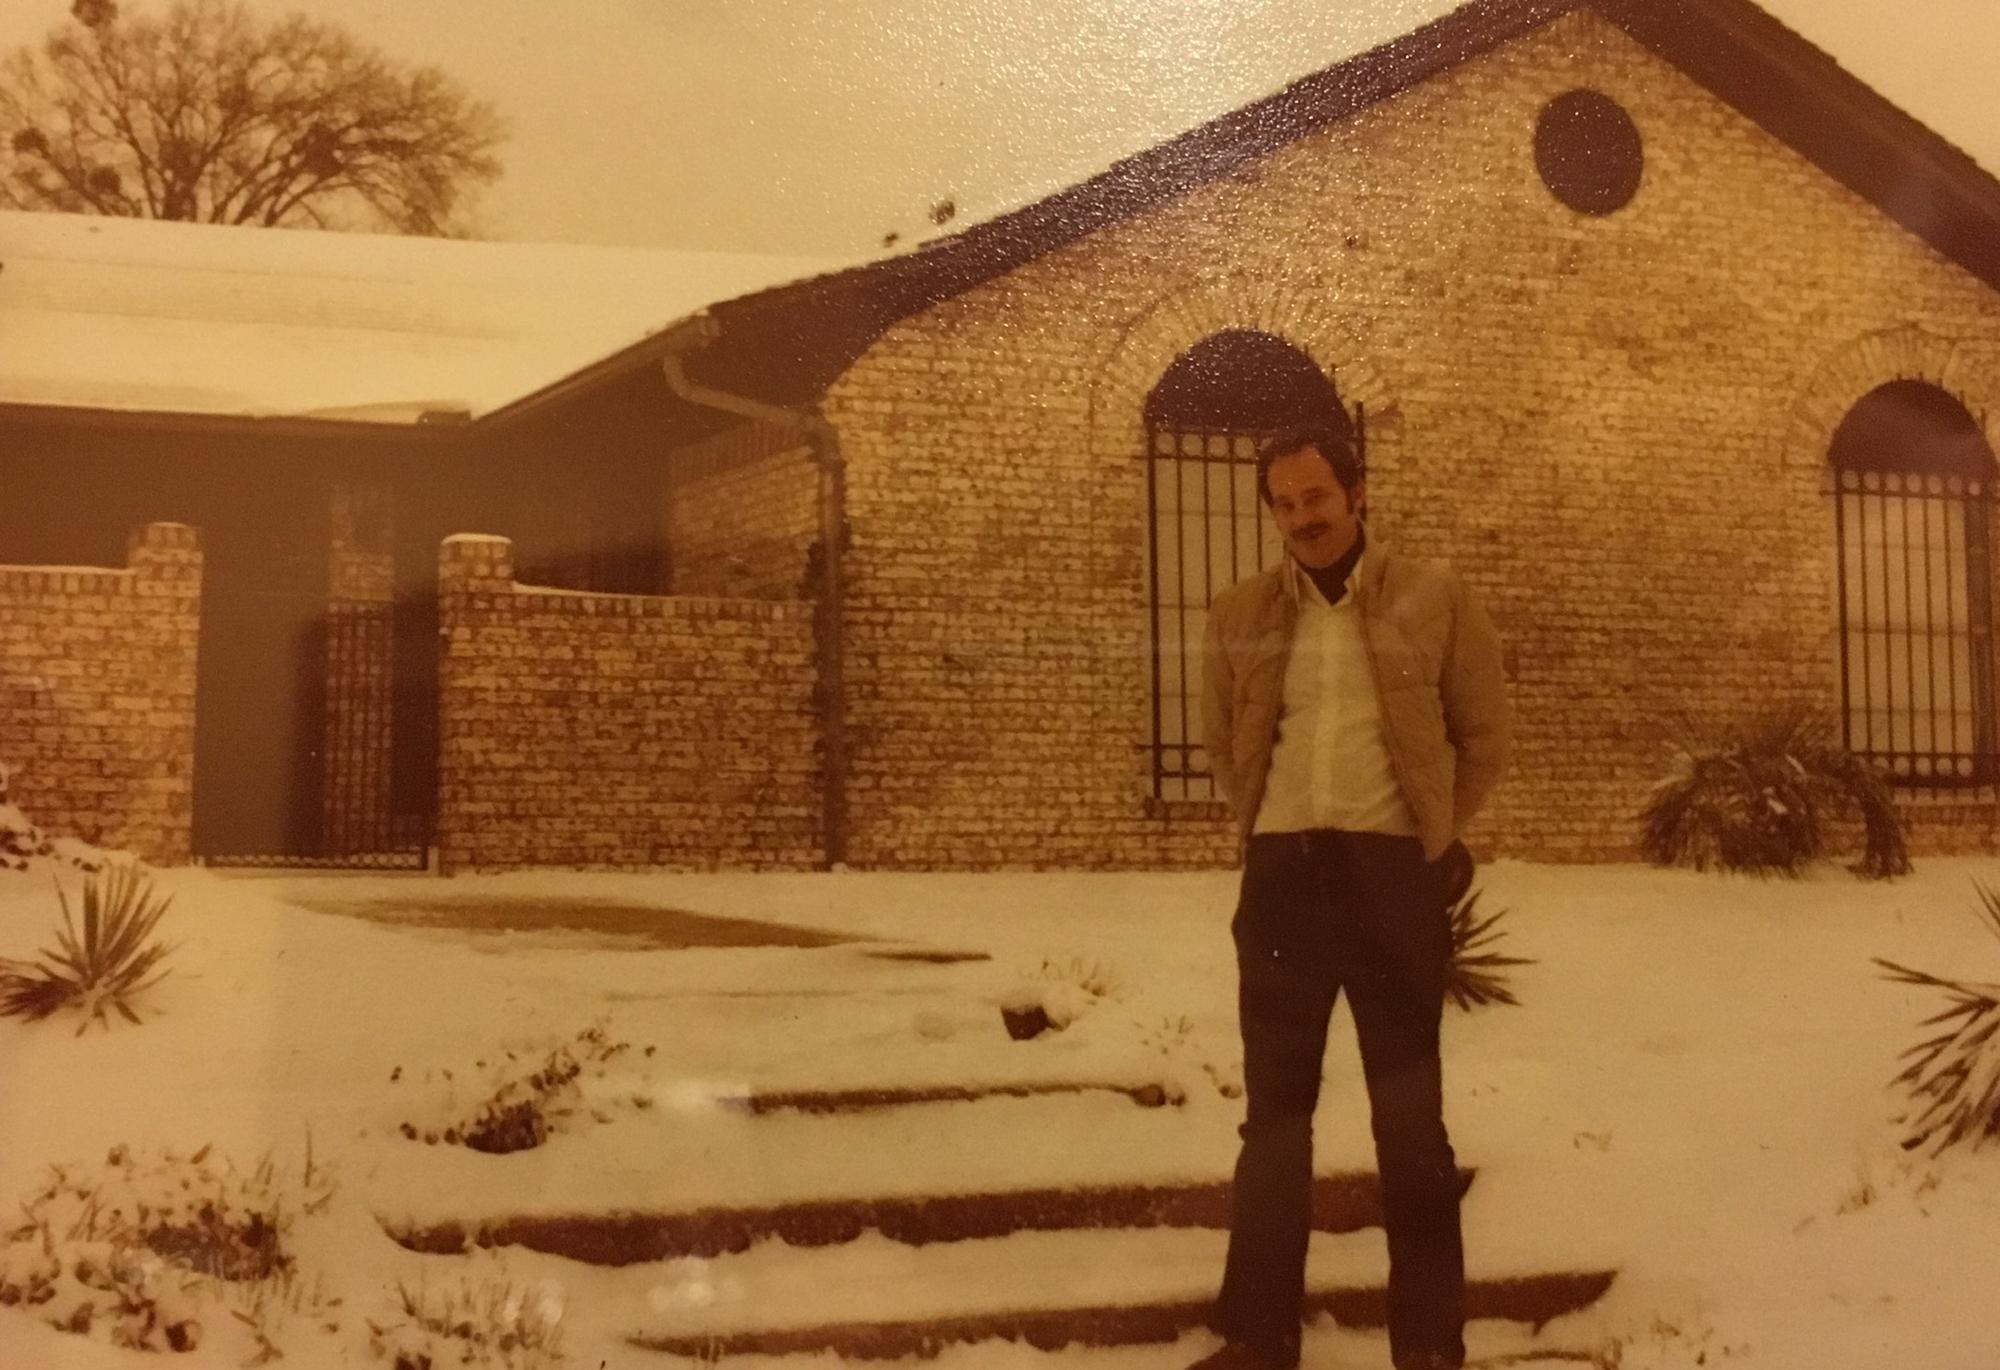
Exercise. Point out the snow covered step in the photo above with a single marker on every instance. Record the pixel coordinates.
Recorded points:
(1531, 1299)
(705, 1153)
(839, 1029)
(1341, 1203)
(1150, 1095)
(1048, 1289)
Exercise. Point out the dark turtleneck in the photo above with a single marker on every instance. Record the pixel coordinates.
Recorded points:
(1332, 580)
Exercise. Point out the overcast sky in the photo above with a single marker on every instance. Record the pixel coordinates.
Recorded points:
(817, 126)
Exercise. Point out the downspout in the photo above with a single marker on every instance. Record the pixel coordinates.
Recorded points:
(824, 444)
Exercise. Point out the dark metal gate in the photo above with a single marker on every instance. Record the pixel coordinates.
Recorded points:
(361, 822)
(296, 704)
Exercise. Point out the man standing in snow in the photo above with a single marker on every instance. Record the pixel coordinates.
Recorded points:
(1355, 717)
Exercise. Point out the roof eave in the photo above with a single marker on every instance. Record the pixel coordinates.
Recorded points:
(234, 425)
(1801, 96)
(641, 355)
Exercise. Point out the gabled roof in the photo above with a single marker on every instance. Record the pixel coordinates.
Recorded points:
(171, 318)
(789, 344)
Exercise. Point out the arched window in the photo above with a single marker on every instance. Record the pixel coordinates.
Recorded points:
(1913, 478)
(1207, 527)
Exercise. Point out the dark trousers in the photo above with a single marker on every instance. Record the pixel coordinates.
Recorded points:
(1321, 912)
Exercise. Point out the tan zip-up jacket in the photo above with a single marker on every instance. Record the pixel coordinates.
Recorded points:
(1436, 659)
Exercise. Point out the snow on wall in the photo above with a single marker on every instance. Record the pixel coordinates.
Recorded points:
(620, 731)
(97, 694)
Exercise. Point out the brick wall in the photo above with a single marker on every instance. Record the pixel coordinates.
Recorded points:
(743, 515)
(1615, 428)
(97, 694)
(620, 730)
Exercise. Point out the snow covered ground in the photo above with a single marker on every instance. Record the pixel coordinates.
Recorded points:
(1693, 1092)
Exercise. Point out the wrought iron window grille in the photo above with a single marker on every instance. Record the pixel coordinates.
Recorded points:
(1913, 547)
(1207, 528)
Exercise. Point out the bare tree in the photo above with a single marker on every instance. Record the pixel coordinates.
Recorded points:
(209, 114)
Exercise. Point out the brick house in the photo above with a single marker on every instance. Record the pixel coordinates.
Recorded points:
(1679, 342)
(230, 458)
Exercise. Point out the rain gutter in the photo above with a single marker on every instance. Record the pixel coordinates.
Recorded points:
(824, 443)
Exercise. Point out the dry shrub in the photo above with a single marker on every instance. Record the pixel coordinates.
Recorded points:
(527, 1099)
(22, 844)
(485, 1322)
(146, 1252)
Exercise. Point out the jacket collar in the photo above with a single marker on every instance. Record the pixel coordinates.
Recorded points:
(1362, 582)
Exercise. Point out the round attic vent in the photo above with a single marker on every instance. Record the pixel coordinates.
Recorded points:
(1588, 152)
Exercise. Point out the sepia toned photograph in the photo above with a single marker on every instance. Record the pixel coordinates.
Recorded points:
(1024, 683)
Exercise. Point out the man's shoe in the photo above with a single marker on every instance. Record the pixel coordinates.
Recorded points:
(1429, 1360)
(1241, 1355)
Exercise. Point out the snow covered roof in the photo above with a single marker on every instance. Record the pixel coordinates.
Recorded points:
(139, 315)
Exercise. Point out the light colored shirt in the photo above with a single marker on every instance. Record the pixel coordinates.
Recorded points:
(1330, 767)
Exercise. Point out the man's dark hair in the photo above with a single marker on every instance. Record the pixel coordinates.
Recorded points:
(1332, 443)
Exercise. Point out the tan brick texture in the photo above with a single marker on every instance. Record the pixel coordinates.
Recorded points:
(597, 730)
(743, 515)
(97, 694)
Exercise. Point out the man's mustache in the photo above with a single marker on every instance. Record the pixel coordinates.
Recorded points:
(1312, 530)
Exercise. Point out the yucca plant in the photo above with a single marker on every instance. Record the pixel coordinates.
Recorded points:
(113, 958)
(1953, 1077)
(1760, 799)
(1478, 973)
